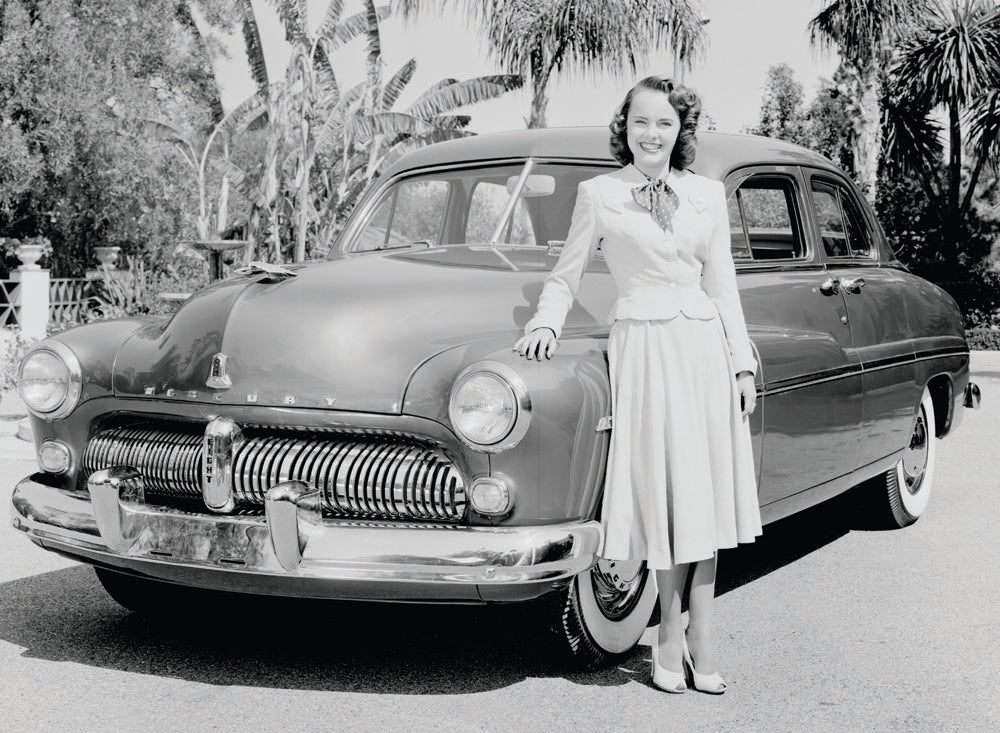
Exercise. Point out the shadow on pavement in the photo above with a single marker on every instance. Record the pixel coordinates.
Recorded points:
(65, 615)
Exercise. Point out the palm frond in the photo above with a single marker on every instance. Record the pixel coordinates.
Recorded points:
(374, 56)
(912, 141)
(254, 47)
(293, 16)
(984, 127)
(859, 29)
(444, 98)
(353, 26)
(331, 17)
(156, 130)
(397, 83)
(328, 89)
(329, 136)
(390, 124)
(397, 151)
(245, 115)
(240, 180)
(953, 59)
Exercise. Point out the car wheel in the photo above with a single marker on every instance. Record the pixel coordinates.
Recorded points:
(140, 595)
(904, 490)
(602, 613)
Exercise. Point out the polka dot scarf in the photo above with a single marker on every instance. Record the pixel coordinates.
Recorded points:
(657, 197)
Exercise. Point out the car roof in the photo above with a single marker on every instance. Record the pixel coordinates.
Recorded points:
(718, 153)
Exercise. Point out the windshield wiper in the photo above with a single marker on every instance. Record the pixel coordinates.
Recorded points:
(508, 211)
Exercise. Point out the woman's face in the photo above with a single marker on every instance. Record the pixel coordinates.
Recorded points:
(651, 128)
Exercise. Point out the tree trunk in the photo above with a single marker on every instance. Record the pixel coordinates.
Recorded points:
(954, 159)
(868, 139)
(540, 71)
(539, 102)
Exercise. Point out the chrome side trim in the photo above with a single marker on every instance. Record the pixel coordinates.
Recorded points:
(853, 370)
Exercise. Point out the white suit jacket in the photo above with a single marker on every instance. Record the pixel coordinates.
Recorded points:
(658, 273)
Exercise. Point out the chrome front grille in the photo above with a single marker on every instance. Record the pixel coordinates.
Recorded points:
(170, 462)
(358, 476)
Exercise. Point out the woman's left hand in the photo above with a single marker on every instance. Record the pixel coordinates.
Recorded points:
(748, 392)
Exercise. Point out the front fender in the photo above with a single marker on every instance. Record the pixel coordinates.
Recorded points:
(557, 469)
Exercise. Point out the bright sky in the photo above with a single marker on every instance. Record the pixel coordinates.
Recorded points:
(745, 38)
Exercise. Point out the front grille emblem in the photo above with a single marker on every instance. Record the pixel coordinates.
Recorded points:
(217, 376)
(222, 437)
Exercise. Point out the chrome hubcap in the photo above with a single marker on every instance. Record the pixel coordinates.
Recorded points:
(618, 585)
(915, 457)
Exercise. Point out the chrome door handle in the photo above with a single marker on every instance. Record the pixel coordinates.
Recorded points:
(853, 284)
(830, 286)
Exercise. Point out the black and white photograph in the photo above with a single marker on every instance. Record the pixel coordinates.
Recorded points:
(499, 365)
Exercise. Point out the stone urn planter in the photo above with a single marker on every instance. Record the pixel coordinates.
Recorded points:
(29, 254)
(107, 256)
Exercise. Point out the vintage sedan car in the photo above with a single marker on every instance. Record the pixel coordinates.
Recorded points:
(360, 427)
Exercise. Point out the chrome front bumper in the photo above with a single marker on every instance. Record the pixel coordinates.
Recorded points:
(293, 551)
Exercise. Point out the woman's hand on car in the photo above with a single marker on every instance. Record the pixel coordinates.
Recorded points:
(541, 341)
(748, 392)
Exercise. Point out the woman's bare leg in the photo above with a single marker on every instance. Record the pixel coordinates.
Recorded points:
(670, 584)
(701, 608)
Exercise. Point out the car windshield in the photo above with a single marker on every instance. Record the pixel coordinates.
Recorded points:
(471, 205)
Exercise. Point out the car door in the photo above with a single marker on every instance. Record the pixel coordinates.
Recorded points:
(811, 378)
(876, 311)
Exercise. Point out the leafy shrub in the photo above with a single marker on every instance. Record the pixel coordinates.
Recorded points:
(134, 291)
(985, 339)
(13, 346)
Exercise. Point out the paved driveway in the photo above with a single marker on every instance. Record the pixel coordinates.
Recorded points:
(823, 626)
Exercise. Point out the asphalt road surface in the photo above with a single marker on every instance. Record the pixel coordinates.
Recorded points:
(823, 625)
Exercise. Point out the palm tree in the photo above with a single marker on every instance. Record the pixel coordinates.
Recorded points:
(350, 135)
(954, 61)
(536, 38)
(865, 32)
(364, 131)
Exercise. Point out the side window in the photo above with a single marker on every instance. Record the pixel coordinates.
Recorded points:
(764, 220)
(488, 202)
(842, 226)
(413, 211)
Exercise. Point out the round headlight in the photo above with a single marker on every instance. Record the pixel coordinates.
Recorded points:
(489, 407)
(49, 381)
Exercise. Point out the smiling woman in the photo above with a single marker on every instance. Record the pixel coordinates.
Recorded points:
(680, 481)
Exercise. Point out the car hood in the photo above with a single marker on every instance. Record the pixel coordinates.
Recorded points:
(344, 334)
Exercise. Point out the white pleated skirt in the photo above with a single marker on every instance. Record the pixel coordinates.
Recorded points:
(680, 480)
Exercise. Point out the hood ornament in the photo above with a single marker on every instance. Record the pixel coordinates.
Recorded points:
(217, 376)
(275, 273)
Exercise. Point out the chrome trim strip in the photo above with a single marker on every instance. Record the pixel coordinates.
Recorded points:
(806, 380)
(168, 544)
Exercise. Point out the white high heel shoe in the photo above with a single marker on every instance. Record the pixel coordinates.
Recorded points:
(713, 683)
(666, 680)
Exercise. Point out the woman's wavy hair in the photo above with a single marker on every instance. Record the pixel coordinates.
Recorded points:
(688, 106)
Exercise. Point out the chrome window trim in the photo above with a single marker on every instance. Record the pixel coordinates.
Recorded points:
(842, 183)
(734, 179)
